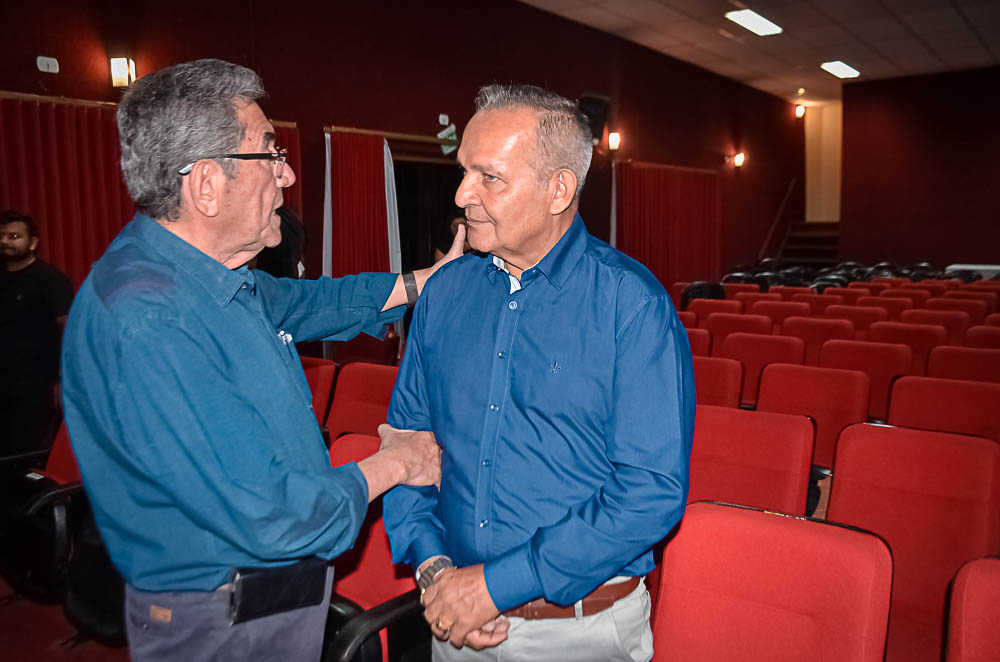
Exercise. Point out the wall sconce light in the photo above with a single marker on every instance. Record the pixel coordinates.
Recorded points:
(614, 141)
(737, 159)
(122, 71)
(800, 111)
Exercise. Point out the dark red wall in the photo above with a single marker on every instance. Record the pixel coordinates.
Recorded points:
(920, 169)
(395, 66)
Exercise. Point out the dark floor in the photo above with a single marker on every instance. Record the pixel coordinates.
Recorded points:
(32, 632)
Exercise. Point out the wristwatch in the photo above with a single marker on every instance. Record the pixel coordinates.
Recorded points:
(430, 573)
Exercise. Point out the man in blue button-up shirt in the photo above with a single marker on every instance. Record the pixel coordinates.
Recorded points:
(556, 376)
(185, 398)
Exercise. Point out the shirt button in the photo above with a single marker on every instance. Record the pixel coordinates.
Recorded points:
(487, 463)
(493, 408)
(483, 523)
(243, 286)
(502, 354)
(512, 305)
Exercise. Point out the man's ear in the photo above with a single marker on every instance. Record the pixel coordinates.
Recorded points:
(563, 186)
(33, 244)
(203, 188)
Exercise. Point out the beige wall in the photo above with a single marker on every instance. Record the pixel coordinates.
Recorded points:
(823, 145)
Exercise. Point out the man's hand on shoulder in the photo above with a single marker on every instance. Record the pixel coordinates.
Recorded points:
(459, 609)
(405, 457)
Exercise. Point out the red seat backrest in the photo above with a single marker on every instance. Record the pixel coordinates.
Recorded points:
(935, 289)
(992, 320)
(987, 337)
(755, 351)
(974, 625)
(61, 465)
(779, 311)
(365, 573)
(815, 331)
(360, 399)
(921, 338)
(721, 325)
(935, 499)
(862, 317)
(732, 289)
(818, 303)
(833, 398)
(946, 405)
(705, 307)
(882, 362)
(700, 341)
(895, 281)
(871, 286)
(893, 305)
(992, 299)
(956, 321)
(977, 309)
(717, 381)
(748, 299)
(320, 374)
(918, 297)
(687, 318)
(972, 363)
(788, 291)
(751, 458)
(850, 294)
(743, 584)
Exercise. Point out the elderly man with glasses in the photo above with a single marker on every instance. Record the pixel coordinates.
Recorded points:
(185, 398)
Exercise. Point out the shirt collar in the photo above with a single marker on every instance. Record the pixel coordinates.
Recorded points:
(221, 282)
(558, 263)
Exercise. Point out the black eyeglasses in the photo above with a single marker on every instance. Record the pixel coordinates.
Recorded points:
(277, 159)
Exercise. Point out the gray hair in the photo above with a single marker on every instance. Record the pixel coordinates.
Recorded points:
(169, 118)
(563, 138)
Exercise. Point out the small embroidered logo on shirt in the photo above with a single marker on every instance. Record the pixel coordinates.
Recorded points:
(285, 337)
(555, 367)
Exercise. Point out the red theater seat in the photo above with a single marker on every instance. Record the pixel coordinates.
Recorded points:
(972, 363)
(779, 311)
(872, 287)
(977, 310)
(755, 351)
(815, 331)
(743, 584)
(705, 307)
(849, 294)
(893, 305)
(688, 319)
(721, 325)
(935, 499)
(921, 338)
(895, 281)
(717, 381)
(788, 291)
(933, 288)
(320, 374)
(862, 317)
(751, 458)
(361, 399)
(974, 626)
(882, 362)
(957, 322)
(946, 405)
(732, 289)
(992, 320)
(918, 297)
(700, 341)
(991, 299)
(818, 303)
(833, 398)
(984, 336)
(748, 299)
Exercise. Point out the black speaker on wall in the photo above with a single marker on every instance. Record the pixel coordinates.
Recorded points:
(595, 108)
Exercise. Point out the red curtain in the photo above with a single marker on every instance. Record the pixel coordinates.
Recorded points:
(668, 218)
(359, 228)
(286, 134)
(59, 163)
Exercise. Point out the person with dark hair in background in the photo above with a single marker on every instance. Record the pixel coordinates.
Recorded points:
(557, 378)
(34, 301)
(185, 399)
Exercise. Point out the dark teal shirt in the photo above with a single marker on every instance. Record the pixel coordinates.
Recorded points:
(565, 410)
(190, 415)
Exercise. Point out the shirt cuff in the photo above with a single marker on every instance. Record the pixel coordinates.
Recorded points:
(424, 547)
(379, 288)
(511, 578)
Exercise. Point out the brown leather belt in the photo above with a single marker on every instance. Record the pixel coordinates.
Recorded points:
(597, 601)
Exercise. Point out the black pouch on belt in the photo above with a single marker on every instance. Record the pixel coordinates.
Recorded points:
(258, 592)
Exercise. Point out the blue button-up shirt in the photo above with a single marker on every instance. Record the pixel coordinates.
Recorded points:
(565, 410)
(190, 415)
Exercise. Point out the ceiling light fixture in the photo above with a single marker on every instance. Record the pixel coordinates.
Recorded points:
(800, 111)
(839, 69)
(801, 91)
(754, 22)
(614, 140)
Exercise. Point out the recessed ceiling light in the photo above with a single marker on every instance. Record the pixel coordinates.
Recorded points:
(801, 91)
(754, 22)
(839, 69)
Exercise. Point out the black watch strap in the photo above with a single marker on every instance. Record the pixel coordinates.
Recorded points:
(410, 283)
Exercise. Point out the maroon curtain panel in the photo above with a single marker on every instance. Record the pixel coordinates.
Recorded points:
(286, 134)
(59, 163)
(668, 218)
(359, 232)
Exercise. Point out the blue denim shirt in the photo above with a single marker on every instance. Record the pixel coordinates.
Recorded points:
(565, 410)
(190, 415)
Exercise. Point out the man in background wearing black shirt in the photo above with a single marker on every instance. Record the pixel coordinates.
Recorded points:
(34, 301)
